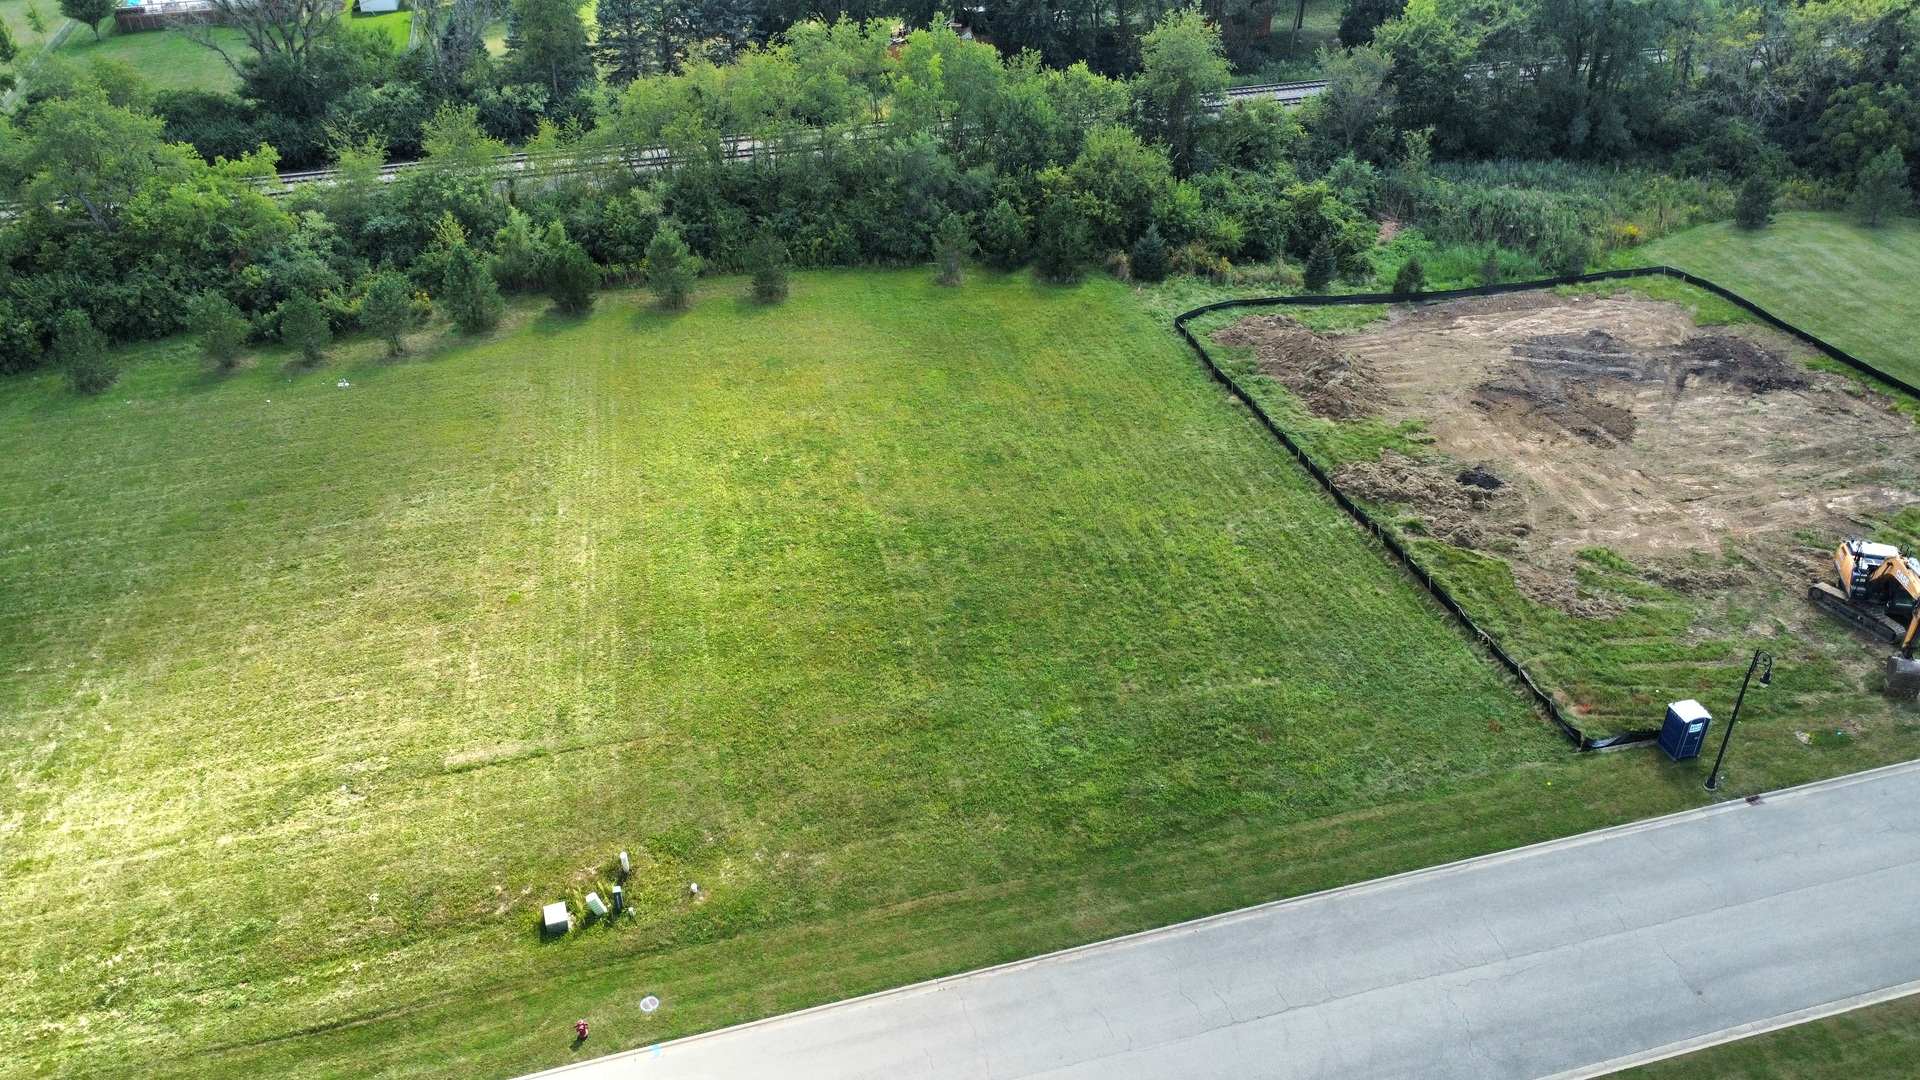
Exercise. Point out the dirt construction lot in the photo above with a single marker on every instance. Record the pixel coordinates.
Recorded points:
(1709, 457)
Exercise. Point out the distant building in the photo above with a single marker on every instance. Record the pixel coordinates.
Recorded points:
(159, 14)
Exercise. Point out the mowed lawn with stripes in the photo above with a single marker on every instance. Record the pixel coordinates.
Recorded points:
(923, 628)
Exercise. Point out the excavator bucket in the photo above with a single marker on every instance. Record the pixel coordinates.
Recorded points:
(1903, 676)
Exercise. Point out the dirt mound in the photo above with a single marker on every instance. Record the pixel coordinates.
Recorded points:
(1479, 477)
(1735, 361)
(1332, 383)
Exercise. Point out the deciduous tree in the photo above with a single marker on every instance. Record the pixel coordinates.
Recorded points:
(1183, 71)
(88, 13)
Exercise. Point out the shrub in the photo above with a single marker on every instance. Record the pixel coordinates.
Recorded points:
(1061, 247)
(83, 348)
(304, 326)
(1753, 209)
(1149, 259)
(1199, 260)
(387, 311)
(766, 258)
(1411, 280)
(1320, 266)
(1881, 191)
(1003, 237)
(671, 269)
(222, 329)
(468, 292)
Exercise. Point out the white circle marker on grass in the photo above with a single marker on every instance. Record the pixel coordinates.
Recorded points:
(649, 1003)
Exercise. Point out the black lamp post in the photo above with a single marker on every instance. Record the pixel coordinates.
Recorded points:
(1766, 680)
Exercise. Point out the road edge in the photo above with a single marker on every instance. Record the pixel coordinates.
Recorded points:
(1738, 1032)
(1391, 881)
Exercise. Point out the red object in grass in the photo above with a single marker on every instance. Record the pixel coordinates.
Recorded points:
(580, 1028)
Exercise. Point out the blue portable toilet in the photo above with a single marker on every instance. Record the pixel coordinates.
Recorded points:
(1685, 729)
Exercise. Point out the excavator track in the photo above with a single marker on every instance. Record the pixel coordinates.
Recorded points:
(1870, 620)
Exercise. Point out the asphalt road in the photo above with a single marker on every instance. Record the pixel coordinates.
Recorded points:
(1564, 960)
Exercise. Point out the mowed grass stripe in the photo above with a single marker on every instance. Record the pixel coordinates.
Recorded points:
(885, 594)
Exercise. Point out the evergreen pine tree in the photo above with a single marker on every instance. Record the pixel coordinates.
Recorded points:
(766, 258)
(567, 271)
(721, 26)
(83, 349)
(221, 327)
(671, 269)
(303, 325)
(952, 243)
(1003, 237)
(1411, 280)
(1881, 191)
(468, 293)
(387, 310)
(553, 52)
(622, 42)
(1061, 246)
(1753, 208)
(1149, 259)
(1321, 266)
(666, 34)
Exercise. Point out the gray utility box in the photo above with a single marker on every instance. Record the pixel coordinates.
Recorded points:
(553, 918)
(1685, 729)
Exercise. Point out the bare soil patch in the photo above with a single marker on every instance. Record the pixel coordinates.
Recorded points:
(1332, 382)
(1611, 422)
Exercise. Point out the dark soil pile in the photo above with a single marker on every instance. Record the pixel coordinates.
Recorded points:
(1331, 383)
(1735, 361)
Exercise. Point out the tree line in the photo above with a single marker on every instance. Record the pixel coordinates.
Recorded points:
(139, 213)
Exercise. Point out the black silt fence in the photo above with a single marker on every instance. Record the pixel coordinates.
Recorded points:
(1392, 543)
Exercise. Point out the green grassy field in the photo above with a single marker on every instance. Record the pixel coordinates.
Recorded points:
(166, 58)
(918, 649)
(317, 692)
(1855, 287)
(397, 25)
(1877, 1043)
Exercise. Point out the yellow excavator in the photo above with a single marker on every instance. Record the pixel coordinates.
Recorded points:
(1879, 592)
(1896, 584)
